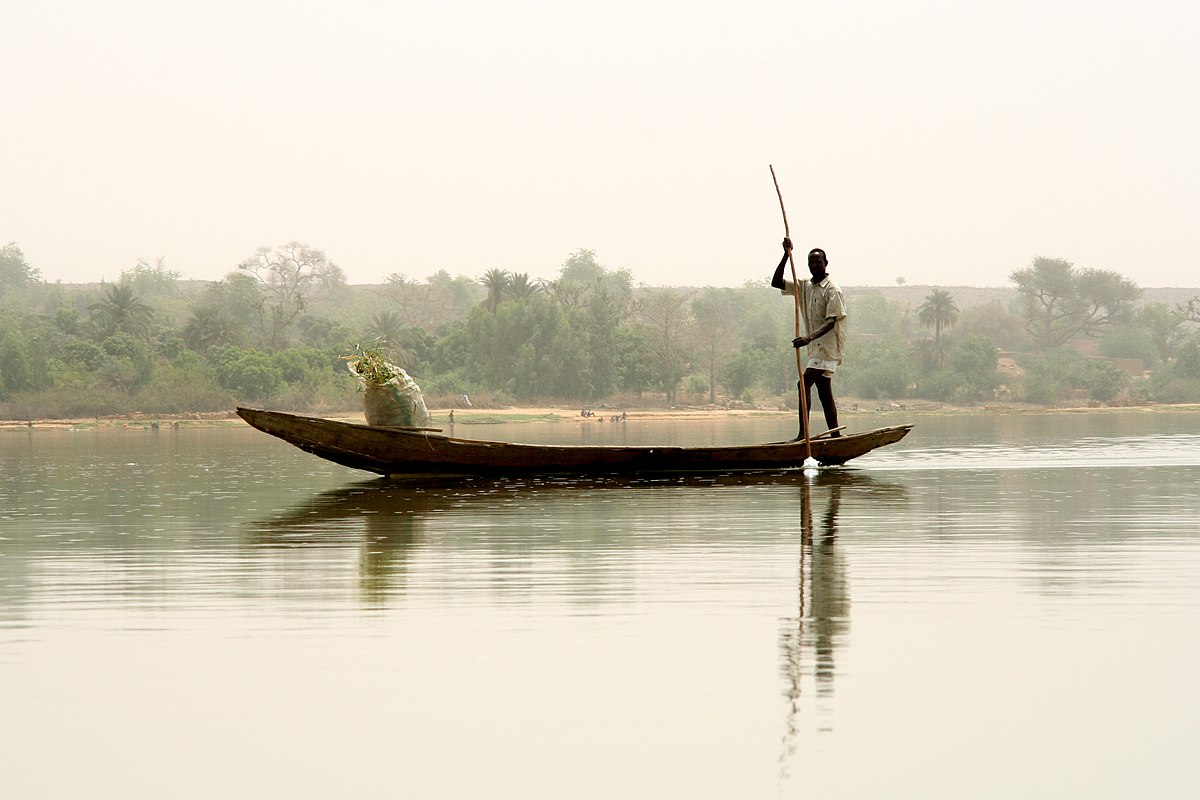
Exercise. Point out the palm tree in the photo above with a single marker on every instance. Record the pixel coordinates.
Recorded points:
(521, 288)
(120, 311)
(395, 337)
(938, 312)
(496, 281)
(388, 327)
(213, 326)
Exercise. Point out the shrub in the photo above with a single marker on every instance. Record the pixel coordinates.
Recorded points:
(876, 369)
(249, 374)
(180, 388)
(943, 384)
(1101, 380)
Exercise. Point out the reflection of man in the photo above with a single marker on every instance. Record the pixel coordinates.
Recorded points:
(824, 313)
(830, 607)
(824, 614)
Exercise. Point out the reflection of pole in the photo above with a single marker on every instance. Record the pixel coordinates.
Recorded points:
(793, 641)
(806, 537)
(806, 531)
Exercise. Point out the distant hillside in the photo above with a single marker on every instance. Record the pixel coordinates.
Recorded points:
(964, 296)
(913, 295)
(971, 296)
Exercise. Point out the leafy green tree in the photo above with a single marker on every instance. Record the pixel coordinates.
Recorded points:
(16, 368)
(1100, 379)
(168, 343)
(1065, 375)
(528, 350)
(1178, 381)
(776, 363)
(974, 361)
(739, 373)
(633, 359)
(297, 363)
(82, 353)
(583, 278)
(1163, 325)
(667, 314)
(68, 321)
(15, 271)
(941, 384)
(1187, 362)
(321, 332)
(1129, 340)
(697, 385)
(120, 310)
(451, 358)
(718, 316)
(1045, 379)
(187, 383)
(249, 374)
(436, 303)
(874, 313)
(152, 280)
(597, 303)
(998, 323)
(120, 373)
(880, 369)
(128, 363)
(578, 275)
(940, 312)
(598, 324)
(1189, 311)
(225, 315)
(424, 345)
(1059, 301)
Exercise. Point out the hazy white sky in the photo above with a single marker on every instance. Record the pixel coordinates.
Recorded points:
(944, 141)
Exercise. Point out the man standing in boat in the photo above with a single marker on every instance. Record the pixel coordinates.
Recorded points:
(824, 312)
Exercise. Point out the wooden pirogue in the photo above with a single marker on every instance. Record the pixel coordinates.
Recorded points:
(408, 451)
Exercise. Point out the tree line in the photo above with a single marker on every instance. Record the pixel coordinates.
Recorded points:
(276, 329)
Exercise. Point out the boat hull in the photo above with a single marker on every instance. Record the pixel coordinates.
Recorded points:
(397, 451)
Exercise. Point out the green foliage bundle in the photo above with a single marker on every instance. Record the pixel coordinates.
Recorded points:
(370, 364)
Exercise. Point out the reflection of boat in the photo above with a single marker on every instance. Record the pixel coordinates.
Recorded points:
(385, 504)
(400, 451)
(332, 514)
(390, 522)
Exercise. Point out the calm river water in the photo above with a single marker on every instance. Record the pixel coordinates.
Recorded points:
(998, 606)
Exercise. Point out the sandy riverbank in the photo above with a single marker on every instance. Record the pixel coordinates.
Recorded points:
(558, 415)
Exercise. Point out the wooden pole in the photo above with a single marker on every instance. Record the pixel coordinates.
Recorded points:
(799, 355)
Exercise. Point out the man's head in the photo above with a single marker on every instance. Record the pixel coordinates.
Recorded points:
(817, 263)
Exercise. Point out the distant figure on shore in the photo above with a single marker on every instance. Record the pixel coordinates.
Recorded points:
(466, 401)
(824, 313)
(452, 416)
